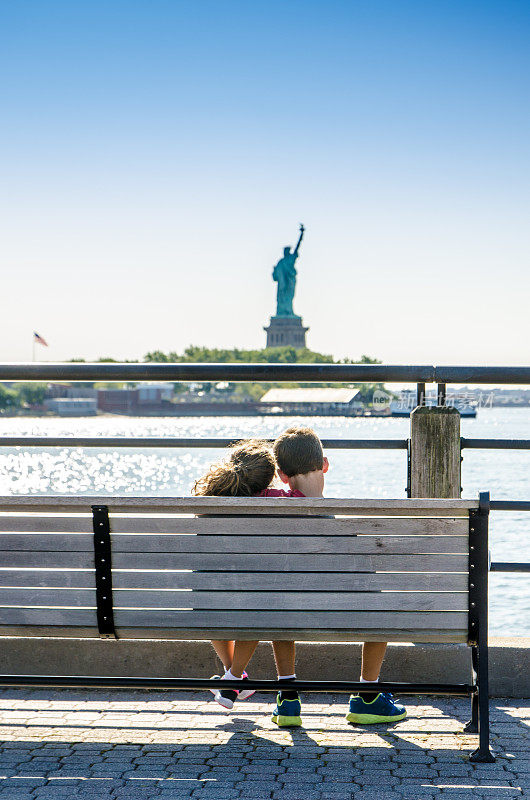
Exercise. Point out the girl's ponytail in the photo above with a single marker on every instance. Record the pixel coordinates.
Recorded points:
(248, 471)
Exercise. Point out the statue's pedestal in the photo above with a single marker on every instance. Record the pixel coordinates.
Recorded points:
(284, 331)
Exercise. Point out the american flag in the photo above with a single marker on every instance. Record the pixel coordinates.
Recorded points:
(39, 339)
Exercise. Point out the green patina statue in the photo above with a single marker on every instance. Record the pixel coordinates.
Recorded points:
(284, 274)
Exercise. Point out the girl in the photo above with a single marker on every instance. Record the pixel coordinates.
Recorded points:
(247, 472)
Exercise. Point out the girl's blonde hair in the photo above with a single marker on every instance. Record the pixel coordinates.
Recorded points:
(247, 472)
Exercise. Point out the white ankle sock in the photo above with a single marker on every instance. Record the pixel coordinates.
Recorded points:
(286, 677)
(228, 676)
(363, 680)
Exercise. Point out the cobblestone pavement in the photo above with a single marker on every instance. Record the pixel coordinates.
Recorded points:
(98, 744)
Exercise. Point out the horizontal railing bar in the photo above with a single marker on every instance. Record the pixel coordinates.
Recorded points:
(203, 443)
(510, 505)
(492, 375)
(367, 373)
(123, 441)
(167, 441)
(359, 373)
(496, 444)
(509, 566)
(186, 684)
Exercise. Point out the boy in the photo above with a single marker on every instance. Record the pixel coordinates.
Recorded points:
(302, 466)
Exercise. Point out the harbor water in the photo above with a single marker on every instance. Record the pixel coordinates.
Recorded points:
(353, 473)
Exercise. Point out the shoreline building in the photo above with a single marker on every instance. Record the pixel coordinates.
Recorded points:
(308, 402)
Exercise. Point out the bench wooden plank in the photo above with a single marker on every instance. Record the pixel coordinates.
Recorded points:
(243, 562)
(446, 620)
(48, 578)
(47, 542)
(69, 617)
(246, 526)
(324, 635)
(234, 620)
(288, 600)
(234, 582)
(291, 526)
(240, 505)
(170, 543)
(49, 523)
(188, 543)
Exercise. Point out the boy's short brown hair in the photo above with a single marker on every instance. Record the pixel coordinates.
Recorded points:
(298, 450)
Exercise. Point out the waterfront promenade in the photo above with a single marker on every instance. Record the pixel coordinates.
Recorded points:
(124, 744)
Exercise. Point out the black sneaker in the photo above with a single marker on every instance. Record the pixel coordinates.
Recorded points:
(226, 698)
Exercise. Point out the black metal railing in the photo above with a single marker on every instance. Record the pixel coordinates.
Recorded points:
(350, 373)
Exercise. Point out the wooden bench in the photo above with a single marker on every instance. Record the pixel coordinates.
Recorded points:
(200, 568)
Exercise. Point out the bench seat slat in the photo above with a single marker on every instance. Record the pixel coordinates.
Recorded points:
(234, 582)
(244, 562)
(287, 600)
(174, 543)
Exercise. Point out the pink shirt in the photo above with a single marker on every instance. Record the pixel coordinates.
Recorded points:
(280, 493)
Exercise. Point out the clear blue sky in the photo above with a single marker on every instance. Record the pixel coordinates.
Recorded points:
(157, 155)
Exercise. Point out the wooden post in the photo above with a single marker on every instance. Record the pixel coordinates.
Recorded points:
(435, 452)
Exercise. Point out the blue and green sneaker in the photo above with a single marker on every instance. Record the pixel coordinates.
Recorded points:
(287, 713)
(382, 708)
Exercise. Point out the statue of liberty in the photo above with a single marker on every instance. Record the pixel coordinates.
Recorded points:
(284, 274)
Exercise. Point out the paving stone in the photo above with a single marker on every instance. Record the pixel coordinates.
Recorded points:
(10, 794)
(22, 783)
(340, 796)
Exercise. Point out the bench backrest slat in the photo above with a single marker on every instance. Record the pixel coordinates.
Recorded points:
(237, 581)
(245, 600)
(230, 525)
(253, 506)
(175, 543)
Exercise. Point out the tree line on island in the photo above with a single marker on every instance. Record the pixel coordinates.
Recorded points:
(267, 355)
(26, 395)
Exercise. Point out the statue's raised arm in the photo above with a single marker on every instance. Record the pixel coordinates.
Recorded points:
(295, 252)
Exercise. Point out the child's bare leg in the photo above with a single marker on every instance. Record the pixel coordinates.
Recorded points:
(243, 652)
(225, 651)
(284, 656)
(372, 659)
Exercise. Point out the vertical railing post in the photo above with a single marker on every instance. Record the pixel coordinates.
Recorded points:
(478, 555)
(435, 452)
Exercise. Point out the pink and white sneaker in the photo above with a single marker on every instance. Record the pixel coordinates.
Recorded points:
(227, 697)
